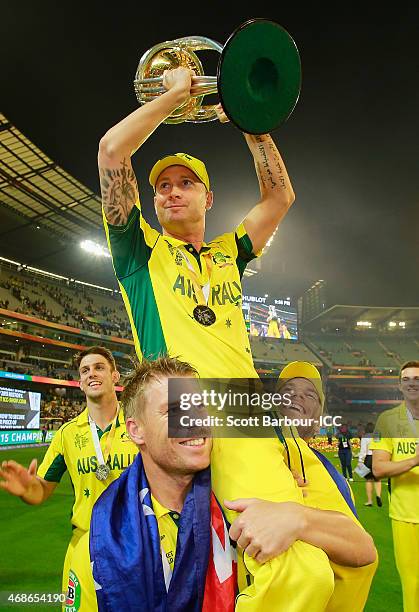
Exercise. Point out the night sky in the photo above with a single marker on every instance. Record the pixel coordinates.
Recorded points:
(350, 146)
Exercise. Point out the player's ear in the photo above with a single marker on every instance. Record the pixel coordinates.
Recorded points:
(115, 377)
(209, 200)
(135, 431)
(155, 200)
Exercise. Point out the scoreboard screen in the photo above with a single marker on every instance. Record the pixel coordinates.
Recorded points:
(19, 409)
(270, 317)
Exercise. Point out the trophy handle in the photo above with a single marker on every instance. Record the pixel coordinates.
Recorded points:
(180, 51)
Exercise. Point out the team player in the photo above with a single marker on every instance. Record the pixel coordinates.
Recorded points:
(160, 511)
(326, 488)
(94, 448)
(170, 473)
(183, 297)
(395, 454)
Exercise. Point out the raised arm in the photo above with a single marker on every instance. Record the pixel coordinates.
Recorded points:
(276, 191)
(117, 179)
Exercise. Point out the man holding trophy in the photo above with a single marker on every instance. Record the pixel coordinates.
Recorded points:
(183, 297)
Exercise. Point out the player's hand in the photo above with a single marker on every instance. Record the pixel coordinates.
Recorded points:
(16, 478)
(300, 481)
(180, 80)
(266, 529)
(222, 117)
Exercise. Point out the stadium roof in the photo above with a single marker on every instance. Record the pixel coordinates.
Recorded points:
(45, 213)
(40, 192)
(341, 316)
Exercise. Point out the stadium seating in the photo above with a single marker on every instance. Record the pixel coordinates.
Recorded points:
(68, 305)
(405, 349)
(359, 350)
(278, 352)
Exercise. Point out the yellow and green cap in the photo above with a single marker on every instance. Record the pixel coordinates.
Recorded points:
(303, 369)
(180, 159)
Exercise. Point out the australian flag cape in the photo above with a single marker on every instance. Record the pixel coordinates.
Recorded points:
(126, 556)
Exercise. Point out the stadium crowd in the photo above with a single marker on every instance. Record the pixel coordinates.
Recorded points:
(78, 309)
(57, 410)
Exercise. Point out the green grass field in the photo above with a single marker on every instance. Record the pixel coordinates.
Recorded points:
(34, 541)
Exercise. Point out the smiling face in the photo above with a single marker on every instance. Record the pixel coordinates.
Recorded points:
(97, 377)
(409, 384)
(176, 456)
(181, 199)
(305, 404)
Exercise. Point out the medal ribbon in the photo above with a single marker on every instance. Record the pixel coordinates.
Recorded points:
(202, 291)
(96, 442)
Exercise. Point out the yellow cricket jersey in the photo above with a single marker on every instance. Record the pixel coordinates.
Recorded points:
(81, 592)
(72, 449)
(352, 585)
(394, 434)
(161, 291)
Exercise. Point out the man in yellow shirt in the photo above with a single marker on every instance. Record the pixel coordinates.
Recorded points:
(117, 549)
(395, 454)
(326, 488)
(159, 512)
(94, 448)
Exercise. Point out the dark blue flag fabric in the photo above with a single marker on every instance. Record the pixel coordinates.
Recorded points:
(125, 549)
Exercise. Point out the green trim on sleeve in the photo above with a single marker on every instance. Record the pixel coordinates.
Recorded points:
(128, 245)
(245, 252)
(56, 470)
(144, 311)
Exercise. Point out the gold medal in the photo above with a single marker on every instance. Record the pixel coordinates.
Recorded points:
(204, 315)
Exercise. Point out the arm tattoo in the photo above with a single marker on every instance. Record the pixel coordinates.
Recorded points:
(268, 164)
(119, 192)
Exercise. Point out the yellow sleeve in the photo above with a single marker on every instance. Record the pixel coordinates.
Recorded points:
(381, 439)
(53, 464)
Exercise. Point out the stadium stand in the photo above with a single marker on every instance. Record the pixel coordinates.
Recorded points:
(57, 301)
(364, 336)
(355, 351)
(279, 352)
